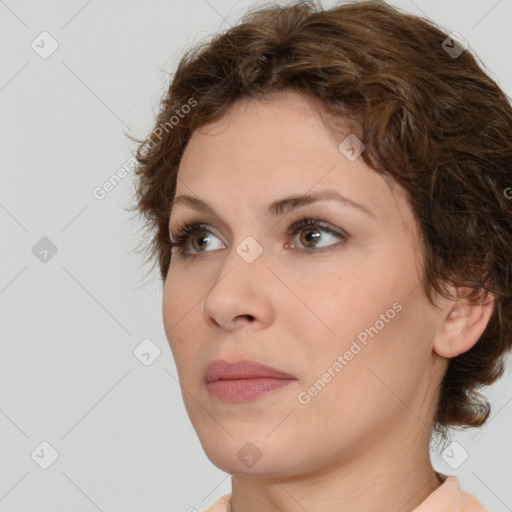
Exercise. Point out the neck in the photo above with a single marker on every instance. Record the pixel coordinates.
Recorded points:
(394, 475)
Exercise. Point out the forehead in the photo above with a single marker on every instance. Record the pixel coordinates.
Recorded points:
(278, 134)
(265, 149)
(283, 127)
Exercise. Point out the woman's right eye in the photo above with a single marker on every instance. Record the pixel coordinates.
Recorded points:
(198, 235)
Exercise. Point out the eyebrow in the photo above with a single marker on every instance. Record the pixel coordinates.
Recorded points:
(280, 206)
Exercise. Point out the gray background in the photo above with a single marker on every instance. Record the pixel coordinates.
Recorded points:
(70, 324)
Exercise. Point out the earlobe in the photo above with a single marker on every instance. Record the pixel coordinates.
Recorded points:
(464, 322)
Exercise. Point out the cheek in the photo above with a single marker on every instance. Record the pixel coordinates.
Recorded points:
(366, 316)
(177, 311)
(385, 349)
(346, 301)
(349, 379)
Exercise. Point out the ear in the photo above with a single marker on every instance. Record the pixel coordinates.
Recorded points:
(464, 321)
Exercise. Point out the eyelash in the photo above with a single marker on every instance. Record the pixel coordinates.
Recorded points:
(184, 232)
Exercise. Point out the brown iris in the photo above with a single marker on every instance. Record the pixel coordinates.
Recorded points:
(309, 235)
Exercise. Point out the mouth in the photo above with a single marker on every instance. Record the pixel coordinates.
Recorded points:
(242, 381)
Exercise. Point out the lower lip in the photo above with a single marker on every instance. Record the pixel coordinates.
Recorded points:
(243, 390)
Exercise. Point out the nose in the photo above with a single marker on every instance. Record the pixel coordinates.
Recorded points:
(243, 293)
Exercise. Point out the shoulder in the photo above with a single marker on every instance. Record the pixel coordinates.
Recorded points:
(449, 497)
(470, 503)
(220, 505)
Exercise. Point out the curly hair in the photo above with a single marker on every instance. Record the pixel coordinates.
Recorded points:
(431, 120)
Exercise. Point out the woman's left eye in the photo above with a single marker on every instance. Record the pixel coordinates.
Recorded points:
(308, 232)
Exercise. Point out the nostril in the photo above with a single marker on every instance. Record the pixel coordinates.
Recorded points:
(248, 317)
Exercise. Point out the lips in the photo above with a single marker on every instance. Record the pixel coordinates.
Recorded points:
(243, 369)
(243, 381)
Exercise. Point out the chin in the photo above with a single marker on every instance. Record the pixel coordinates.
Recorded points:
(248, 454)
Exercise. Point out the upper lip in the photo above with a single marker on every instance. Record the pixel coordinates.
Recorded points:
(242, 369)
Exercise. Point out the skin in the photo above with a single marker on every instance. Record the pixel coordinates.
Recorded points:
(370, 426)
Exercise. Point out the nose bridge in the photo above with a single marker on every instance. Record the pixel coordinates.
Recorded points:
(249, 250)
(239, 289)
(244, 258)
(248, 239)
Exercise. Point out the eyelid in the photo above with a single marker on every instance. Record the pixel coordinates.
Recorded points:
(204, 218)
(306, 221)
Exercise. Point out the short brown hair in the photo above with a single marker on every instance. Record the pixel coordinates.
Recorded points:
(435, 123)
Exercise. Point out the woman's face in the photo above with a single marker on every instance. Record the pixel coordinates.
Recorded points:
(337, 304)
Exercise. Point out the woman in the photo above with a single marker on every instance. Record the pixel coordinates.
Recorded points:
(327, 196)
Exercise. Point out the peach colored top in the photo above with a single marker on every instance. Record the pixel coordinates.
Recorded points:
(447, 498)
